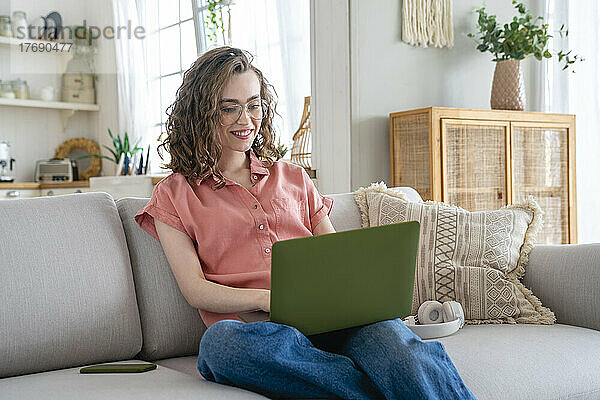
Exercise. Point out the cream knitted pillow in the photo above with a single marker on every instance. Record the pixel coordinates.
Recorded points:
(475, 258)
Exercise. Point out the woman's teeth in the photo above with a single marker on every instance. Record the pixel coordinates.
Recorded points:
(242, 134)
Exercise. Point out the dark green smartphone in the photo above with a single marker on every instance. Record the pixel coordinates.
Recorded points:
(116, 368)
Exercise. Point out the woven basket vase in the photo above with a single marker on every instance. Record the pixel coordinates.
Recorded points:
(508, 90)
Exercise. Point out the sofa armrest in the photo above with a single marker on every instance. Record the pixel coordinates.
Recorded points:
(566, 279)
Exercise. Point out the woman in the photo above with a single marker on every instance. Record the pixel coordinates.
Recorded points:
(217, 216)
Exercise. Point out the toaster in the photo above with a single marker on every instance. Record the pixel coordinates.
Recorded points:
(54, 170)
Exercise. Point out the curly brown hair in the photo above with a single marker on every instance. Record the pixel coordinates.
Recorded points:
(193, 119)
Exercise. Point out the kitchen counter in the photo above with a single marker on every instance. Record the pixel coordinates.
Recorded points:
(58, 185)
(36, 185)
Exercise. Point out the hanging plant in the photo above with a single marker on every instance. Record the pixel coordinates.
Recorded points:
(213, 20)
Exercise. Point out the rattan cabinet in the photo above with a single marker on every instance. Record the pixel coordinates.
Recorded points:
(485, 159)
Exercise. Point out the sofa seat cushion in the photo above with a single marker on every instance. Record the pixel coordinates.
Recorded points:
(187, 365)
(505, 361)
(527, 361)
(161, 383)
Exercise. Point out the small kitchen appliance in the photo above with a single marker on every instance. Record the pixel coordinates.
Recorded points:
(54, 170)
(7, 168)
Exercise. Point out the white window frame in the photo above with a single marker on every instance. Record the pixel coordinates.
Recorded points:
(161, 124)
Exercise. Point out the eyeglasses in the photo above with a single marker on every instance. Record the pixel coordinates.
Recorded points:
(230, 114)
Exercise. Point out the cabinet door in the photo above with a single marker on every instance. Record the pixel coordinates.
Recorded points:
(540, 161)
(410, 153)
(474, 163)
(59, 191)
(13, 194)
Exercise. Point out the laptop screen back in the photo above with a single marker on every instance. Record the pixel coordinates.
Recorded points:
(344, 279)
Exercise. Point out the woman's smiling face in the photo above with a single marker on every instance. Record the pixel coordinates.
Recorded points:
(240, 90)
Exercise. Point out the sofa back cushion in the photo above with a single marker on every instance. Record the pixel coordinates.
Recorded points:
(170, 326)
(67, 290)
(346, 215)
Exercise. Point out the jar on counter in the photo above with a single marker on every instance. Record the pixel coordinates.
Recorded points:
(6, 91)
(20, 88)
(19, 24)
(5, 29)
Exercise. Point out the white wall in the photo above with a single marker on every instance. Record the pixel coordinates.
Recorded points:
(33, 133)
(389, 75)
(106, 86)
(330, 94)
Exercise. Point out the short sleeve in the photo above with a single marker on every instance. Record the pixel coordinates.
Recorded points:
(319, 205)
(162, 206)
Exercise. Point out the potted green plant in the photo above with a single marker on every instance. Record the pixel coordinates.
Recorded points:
(281, 149)
(510, 43)
(120, 147)
(212, 18)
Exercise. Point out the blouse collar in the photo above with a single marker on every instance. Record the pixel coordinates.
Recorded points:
(256, 167)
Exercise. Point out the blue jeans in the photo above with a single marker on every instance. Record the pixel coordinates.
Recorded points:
(375, 361)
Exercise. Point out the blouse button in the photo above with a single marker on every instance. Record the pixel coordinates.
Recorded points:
(267, 250)
(261, 227)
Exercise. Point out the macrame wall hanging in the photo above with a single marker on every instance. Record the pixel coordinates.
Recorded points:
(427, 23)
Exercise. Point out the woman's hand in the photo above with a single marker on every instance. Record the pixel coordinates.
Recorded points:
(265, 300)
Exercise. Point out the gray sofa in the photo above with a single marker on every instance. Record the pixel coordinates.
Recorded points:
(83, 284)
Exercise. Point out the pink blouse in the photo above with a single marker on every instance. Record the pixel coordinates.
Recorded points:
(233, 229)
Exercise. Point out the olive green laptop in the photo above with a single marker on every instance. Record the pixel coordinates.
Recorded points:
(340, 280)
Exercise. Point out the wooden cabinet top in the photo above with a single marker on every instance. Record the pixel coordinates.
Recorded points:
(503, 115)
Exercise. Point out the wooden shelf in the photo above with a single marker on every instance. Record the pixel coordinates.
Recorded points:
(66, 109)
(57, 105)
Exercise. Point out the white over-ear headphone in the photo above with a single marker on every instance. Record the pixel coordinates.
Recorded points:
(435, 319)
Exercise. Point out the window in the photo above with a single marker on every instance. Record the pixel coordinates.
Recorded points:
(206, 37)
(177, 34)
(277, 34)
(170, 50)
